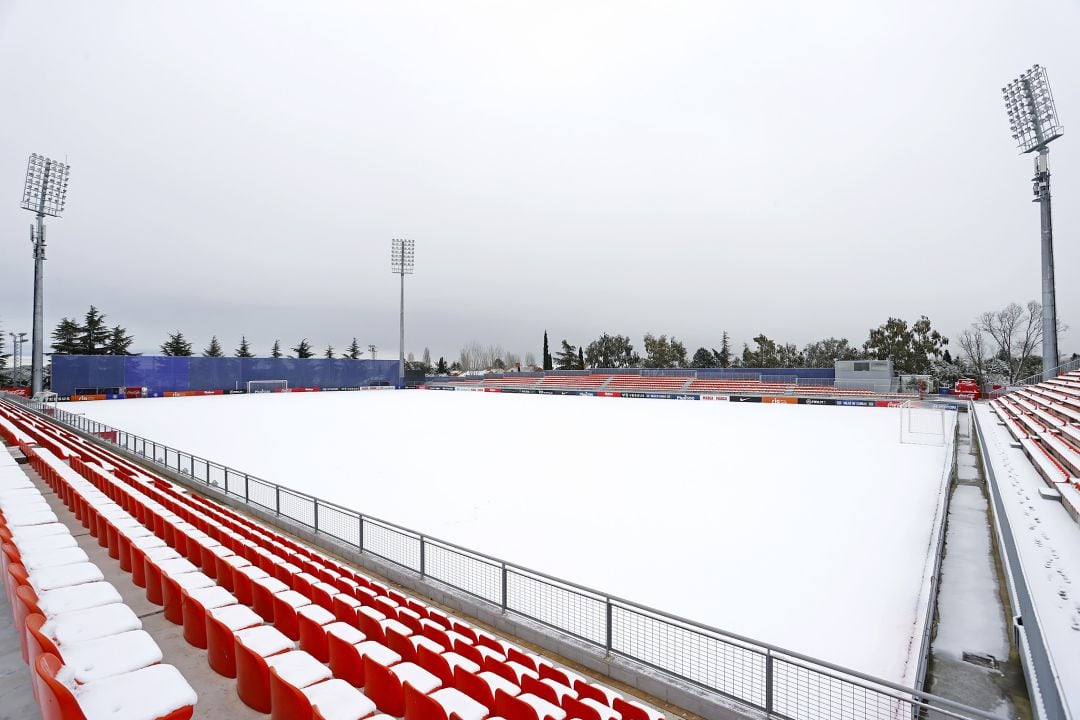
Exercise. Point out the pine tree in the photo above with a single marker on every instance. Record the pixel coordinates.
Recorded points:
(442, 368)
(354, 352)
(118, 342)
(94, 333)
(244, 351)
(329, 352)
(214, 349)
(66, 337)
(580, 359)
(567, 357)
(275, 352)
(723, 358)
(176, 346)
(303, 350)
(547, 354)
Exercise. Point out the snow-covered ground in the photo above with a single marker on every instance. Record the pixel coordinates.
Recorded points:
(807, 527)
(1048, 543)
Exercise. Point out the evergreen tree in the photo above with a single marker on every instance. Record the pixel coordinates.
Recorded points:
(547, 354)
(3, 356)
(303, 350)
(611, 351)
(704, 358)
(567, 357)
(66, 337)
(427, 358)
(354, 351)
(118, 342)
(275, 352)
(94, 333)
(723, 358)
(244, 351)
(329, 352)
(498, 364)
(455, 367)
(910, 348)
(176, 346)
(214, 349)
(442, 368)
(580, 359)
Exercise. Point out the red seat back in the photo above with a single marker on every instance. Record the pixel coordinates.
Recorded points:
(383, 688)
(57, 702)
(419, 706)
(474, 686)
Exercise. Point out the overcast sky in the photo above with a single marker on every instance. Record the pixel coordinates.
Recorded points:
(798, 169)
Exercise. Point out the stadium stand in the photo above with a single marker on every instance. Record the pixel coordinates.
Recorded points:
(1044, 420)
(615, 382)
(303, 635)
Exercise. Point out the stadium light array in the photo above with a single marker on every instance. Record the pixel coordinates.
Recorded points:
(402, 262)
(44, 193)
(1034, 122)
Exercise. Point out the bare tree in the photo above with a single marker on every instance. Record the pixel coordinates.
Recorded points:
(1017, 332)
(530, 360)
(972, 342)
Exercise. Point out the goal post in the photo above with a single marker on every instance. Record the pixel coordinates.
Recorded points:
(266, 386)
(923, 423)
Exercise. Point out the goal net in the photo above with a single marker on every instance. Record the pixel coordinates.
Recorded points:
(923, 423)
(267, 386)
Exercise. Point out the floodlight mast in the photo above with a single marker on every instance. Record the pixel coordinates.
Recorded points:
(402, 262)
(44, 193)
(1034, 123)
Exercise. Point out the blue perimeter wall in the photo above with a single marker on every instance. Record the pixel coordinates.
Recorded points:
(161, 374)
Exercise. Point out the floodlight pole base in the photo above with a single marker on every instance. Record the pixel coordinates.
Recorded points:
(1049, 293)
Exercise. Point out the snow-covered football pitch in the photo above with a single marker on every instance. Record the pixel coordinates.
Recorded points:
(808, 527)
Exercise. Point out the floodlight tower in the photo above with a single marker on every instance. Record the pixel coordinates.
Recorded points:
(1034, 122)
(402, 262)
(44, 194)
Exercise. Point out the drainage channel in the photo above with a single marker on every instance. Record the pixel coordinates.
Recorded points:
(972, 658)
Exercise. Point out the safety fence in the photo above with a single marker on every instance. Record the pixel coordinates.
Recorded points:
(763, 677)
(1044, 375)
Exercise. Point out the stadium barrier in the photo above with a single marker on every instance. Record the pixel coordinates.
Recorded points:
(757, 675)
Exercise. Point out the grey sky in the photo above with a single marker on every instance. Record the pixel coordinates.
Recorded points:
(799, 169)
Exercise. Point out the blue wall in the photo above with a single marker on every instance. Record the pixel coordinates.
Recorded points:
(160, 374)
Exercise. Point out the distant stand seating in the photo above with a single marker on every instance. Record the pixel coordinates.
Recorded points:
(679, 381)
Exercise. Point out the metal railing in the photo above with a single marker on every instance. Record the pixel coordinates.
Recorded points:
(1048, 374)
(761, 676)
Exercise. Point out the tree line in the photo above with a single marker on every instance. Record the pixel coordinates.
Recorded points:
(92, 336)
(912, 347)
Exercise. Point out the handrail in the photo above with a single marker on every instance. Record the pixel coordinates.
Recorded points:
(762, 663)
(1044, 375)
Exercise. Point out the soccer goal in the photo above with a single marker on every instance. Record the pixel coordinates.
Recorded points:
(266, 386)
(923, 423)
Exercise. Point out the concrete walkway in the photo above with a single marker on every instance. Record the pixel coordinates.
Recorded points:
(972, 624)
(217, 695)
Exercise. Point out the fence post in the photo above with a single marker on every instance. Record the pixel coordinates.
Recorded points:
(504, 587)
(246, 492)
(360, 547)
(768, 682)
(277, 499)
(422, 563)
(607, 623)
(316, 503)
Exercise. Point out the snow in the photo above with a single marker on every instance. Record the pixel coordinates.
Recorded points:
(338, 700)
(298, 668)
(543, 708)
(151, 692)
(51, 578)
(236, 617)
(1048, 542)
(455, 701)
(112, 655)
(418, 677)
(968, 579)
(39, 559)
(803, 526)
(77, 597)
(90, 624)
(264, 640)
(318, 615)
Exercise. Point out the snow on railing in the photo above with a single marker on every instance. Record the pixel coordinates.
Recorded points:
(780, 682)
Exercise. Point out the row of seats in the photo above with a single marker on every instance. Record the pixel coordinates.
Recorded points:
(1045, 420)
(88, 654)
(249, 595)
